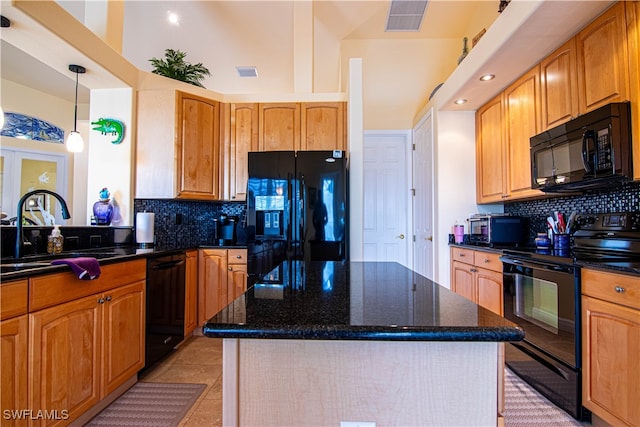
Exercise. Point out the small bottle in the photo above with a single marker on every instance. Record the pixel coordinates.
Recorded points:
(54, 242)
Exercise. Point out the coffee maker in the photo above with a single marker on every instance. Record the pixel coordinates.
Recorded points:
(225, 230)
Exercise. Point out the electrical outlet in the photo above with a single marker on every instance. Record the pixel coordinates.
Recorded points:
(357, 424)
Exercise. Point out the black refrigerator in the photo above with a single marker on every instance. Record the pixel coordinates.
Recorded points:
(297, 208)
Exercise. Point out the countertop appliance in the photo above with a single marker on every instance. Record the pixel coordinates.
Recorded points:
(590, 151)
(297, 208)
(497, 229)
(165, 305)
(542, 295)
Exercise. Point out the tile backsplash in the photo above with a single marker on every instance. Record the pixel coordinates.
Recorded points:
(621, 199)
(185, 223)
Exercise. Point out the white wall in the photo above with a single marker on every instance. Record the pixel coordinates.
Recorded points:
(455, 182)
(356, 160)
(111, 164)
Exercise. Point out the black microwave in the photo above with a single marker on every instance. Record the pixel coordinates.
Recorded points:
(588, 152)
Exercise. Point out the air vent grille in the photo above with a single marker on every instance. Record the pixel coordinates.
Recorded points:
(247, 71)
(405, 15)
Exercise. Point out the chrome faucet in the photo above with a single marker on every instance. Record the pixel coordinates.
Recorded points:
(19, 241)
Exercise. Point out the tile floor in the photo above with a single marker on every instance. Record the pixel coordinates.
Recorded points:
(199, 360)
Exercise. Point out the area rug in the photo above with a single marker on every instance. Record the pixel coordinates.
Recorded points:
(525, 407)
(150, 405)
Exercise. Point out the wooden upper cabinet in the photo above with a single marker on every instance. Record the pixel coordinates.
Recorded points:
(559, 86)
(489, 152)
(522, 112)
(603, 73)
(633, 38)
(279, 127)
(243, 137)
(198, 148)
(178, 146)
(323, 126)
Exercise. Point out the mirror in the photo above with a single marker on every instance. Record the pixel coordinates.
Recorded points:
(31, 88)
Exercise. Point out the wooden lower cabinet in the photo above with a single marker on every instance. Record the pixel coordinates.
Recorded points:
(610, 346)
(477, 276)
(222, 278)
(191, 293)
(13, 369)
(83, 349)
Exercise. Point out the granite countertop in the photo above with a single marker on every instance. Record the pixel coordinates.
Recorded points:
(356, 301)
(30, 266)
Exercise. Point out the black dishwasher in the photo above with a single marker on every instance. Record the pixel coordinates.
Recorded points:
(165, 305)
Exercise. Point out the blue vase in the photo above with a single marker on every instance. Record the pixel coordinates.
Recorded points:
(103, 212)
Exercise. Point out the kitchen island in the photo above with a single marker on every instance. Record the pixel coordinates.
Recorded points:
(321, 343)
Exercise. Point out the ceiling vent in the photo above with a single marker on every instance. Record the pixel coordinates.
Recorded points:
(406, 15)
(247, 71)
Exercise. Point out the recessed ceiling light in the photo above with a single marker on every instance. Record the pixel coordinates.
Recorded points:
(251, 71)
(487, 77)
(173, 18)
(460, 101)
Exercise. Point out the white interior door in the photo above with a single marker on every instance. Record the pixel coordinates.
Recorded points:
(423, 200)
(387, 200)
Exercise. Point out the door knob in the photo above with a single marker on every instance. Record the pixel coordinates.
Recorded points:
(430, 238)
(401, 237)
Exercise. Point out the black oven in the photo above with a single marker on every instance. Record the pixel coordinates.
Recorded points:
(542, 296)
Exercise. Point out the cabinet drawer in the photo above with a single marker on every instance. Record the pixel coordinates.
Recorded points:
(488, 260)
(237, 256)
(13, 298)
(58, 288)
(616, 288)
(462, 255)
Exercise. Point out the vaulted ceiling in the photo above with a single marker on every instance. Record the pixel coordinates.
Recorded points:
(400, 69)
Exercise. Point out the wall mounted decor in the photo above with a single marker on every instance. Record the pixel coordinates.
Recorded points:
(110, 126)
(18, 125)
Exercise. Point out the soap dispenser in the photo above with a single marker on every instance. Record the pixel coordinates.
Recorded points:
(54, 243)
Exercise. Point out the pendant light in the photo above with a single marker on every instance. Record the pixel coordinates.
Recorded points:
(75, 144)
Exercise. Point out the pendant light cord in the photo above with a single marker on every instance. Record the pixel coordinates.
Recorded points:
(75, 111)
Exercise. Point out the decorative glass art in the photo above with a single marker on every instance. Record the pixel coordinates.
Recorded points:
(18, 125)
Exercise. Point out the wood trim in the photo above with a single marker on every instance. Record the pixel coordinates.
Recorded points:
(13, 298)
(602, 285)
(54, 289)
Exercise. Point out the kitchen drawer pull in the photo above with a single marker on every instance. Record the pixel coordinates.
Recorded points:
(238, 256)
(486, 260)
(619, 289)
(461, 255)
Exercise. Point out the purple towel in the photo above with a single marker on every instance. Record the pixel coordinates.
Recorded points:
(86, 268)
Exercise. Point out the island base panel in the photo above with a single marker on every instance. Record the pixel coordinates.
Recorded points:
(313, 382)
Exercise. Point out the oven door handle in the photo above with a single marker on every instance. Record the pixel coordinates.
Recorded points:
(538, 265)
(543, 361)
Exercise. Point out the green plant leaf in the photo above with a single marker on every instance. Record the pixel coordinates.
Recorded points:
(174, 66)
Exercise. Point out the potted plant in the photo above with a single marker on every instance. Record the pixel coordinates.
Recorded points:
(175, 67)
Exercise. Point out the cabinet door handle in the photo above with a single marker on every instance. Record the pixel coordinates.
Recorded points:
(230, 268)
(108, 298)
(100, 300)
(619, 289)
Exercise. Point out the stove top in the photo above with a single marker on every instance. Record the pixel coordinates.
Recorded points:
(609, 240)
